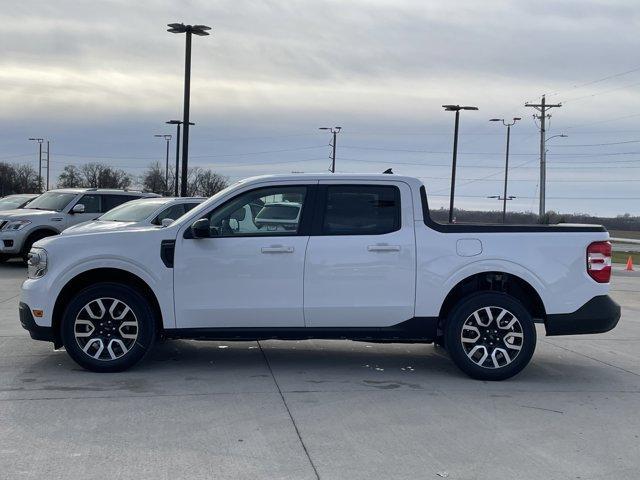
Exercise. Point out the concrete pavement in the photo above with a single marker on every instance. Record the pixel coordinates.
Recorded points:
(321, 409)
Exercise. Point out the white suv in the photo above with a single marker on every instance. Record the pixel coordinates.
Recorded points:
(54, 211)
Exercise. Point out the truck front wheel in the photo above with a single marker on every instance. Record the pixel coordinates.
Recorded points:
(108, 327)
(490, 336)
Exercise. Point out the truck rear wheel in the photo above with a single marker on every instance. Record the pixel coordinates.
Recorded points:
(108, 327)
(490, 336)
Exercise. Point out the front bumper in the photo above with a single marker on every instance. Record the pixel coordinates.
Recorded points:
(36, 331)
(598, 315)
(10, 243)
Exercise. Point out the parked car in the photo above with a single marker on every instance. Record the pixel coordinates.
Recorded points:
(364, 261)
(11, 202)
(54, 211)
(139, 213)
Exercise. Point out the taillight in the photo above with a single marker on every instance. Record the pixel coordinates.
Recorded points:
(599, 261)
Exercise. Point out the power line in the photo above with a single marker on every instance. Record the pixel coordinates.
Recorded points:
(601, 92)
(598, 80)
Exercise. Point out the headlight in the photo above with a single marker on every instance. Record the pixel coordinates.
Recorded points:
(37, 263)
(13, 225)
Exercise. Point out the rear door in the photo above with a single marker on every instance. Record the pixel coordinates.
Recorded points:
(361, 262)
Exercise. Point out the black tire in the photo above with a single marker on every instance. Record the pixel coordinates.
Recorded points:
(108, 294)
(33, 238)
(4, 257)
(517, 342)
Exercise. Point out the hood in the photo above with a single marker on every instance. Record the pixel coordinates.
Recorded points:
(25, 213)
(96, 227)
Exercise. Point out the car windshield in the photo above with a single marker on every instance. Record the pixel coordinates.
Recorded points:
(13, 201)
(133, 211)
(55, 201)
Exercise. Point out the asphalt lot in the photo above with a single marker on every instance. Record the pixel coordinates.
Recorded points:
(321, 409)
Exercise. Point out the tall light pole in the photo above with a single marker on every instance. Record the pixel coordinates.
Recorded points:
(200, 30)
(177, 123)
(39, 140)
(335, 131)
(506, 164)
(454, 108)
(166, 171)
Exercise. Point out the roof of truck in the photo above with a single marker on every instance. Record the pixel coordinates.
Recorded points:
(334, 176)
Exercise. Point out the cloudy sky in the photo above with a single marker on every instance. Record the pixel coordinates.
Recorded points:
(99, 78)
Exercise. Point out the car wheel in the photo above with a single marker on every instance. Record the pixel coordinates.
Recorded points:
(490, 336)
(4, 257)
(108, 327)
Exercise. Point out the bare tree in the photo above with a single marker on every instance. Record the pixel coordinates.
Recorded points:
(153, 179)
(204, 183)
(26, 179)
(70, 177)
(99, 175)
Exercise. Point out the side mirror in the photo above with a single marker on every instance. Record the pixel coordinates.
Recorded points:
(78, 208)
(167, 221)
(201, 228)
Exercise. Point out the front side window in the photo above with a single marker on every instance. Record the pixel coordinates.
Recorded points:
(173, 212)
(361, 210)
(91, 203)
(270, 211)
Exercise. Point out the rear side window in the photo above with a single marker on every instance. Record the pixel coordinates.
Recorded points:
(111, 201)
(361, 210)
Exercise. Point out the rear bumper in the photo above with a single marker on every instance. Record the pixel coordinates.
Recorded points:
(598, 315)
(36, 331)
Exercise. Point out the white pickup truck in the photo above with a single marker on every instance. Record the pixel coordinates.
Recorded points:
(328, 256)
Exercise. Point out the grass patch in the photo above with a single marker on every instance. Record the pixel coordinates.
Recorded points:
(624, 234)
(621, 257)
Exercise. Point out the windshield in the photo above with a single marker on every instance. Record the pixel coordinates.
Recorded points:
(13, 201)
(51, 201)
(134, 211)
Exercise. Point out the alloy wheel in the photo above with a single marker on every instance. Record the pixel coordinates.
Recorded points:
(106, 329)
(492, 337)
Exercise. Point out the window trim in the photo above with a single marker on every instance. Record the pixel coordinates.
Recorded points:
(306, 216)
(319, 211)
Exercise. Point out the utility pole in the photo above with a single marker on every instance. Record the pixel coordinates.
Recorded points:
(48, 163)
(454, 108)
(506, 165)
(39, 140)
(334, 131)
(542, 107)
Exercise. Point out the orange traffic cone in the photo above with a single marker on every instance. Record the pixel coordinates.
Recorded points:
(629, 264)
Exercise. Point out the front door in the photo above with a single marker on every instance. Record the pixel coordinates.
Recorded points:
(250, 273)
(92, 209)
(361, 261)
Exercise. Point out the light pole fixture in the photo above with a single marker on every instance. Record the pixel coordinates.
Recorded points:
(177, 123)
(506, 163)
(189, 30)
(39, 140)
(335, 131)
(166, 171)
(454, 108)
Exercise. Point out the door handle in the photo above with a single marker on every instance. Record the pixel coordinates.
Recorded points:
(383, 248)
(277, 249)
